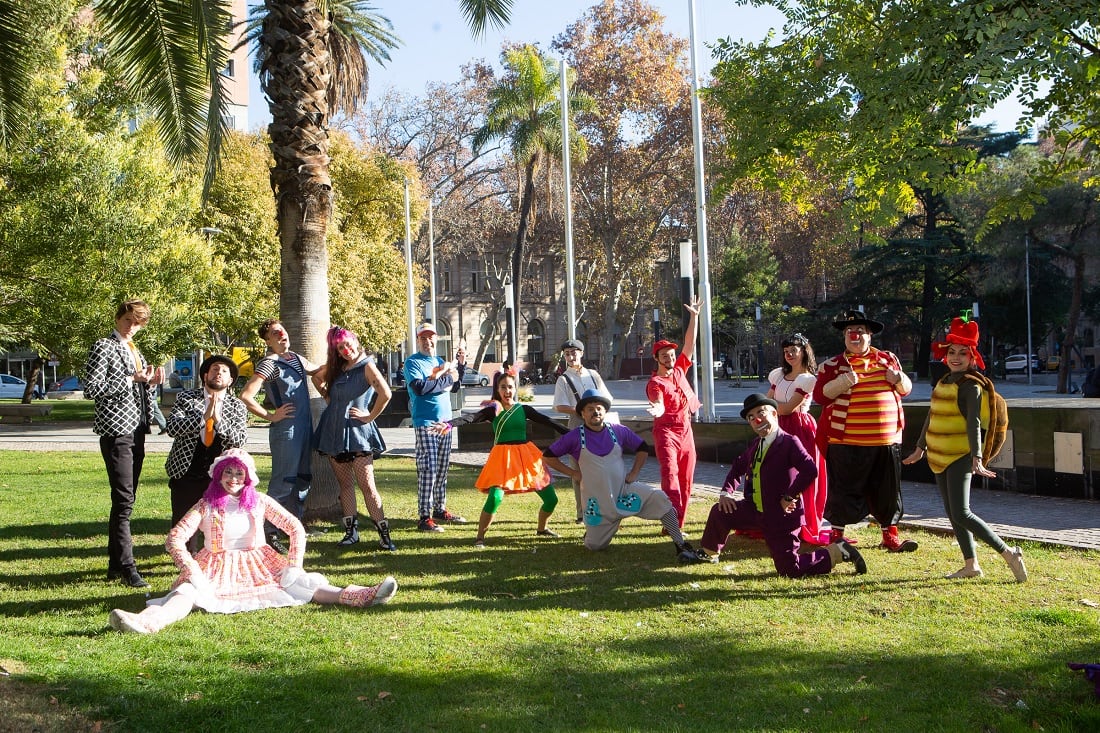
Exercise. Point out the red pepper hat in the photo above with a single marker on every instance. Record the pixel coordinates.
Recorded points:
(662, 345)
(963, 332)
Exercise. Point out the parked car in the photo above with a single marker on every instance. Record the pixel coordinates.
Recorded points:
(474, 378)
(1053, 362)
(12, 387)
(1018, 363)
(71, 383)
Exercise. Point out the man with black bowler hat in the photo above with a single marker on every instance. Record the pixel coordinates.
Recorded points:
(772, 473)
(204, 423)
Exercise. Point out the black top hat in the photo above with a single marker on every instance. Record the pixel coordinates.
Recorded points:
(856, 318)
(755, 400)
(593, 395)
(219, 359)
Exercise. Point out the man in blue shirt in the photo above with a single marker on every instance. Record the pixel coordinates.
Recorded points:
(430, 379)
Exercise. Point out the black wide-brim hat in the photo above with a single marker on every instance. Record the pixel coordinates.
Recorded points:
(755, 400)
(856, 318)
(219, 359)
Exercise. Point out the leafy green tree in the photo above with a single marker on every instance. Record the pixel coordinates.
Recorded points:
(875, 93)
(634, 196)
(525, 108)
(367, 274)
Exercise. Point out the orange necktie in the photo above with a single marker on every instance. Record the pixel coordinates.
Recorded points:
(208, 434)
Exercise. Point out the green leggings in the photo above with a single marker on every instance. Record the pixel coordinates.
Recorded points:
(496, 495)
(954, 486)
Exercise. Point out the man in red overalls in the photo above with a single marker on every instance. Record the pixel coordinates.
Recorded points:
(672, 402)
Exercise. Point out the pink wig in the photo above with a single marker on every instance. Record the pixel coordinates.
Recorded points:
(216, 496)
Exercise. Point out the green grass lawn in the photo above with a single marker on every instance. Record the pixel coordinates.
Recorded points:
(532, 634)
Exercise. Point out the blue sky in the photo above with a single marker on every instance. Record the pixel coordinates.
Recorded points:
(437, 41)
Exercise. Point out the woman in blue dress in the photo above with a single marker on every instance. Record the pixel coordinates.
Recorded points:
(356, 394)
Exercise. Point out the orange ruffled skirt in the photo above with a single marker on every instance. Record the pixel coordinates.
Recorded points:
(514, 468)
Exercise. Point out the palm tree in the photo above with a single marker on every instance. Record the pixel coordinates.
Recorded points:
(525, 108)
(173, 52)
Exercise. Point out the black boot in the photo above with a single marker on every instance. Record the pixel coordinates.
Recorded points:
(384, 540)
(351, 531)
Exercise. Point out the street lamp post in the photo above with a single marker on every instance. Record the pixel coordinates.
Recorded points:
(656, 325)
(510, 325)
(1027, 298)
(687, 294)
(759, 346)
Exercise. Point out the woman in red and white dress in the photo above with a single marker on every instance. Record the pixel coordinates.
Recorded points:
(792, 386)
(237, 570)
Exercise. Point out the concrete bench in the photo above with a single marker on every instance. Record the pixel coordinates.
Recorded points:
(18, 412)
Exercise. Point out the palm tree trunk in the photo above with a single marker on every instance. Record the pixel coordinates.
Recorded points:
(295, 78)
(525, 205)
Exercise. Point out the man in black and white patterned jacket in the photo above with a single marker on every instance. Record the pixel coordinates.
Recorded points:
(204, 422)
(122, 384)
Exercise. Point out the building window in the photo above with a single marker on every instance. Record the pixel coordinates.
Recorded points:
(445, 279)
(443, 339)
(536, 338)
(230, 69)
(486, 332)
(475, 281)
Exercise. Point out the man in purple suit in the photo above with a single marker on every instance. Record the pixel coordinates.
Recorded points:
(771, 474)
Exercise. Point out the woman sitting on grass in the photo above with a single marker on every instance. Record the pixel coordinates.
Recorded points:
(514, 465)
(237, 570)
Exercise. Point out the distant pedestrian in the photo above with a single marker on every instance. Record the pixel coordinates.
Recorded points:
(861, 424)
(575, 380)
(673, 402)
(951, 440)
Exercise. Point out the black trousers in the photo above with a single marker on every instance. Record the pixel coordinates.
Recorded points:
(123, 455)
(863, 479)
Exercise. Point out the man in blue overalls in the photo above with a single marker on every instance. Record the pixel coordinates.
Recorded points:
(284, 376)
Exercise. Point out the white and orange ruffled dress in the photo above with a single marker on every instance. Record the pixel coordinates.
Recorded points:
(236, 570)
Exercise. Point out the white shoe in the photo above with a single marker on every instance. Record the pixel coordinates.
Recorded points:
(965, 573)
(386, 591)
(1016, 563)
(127, 623)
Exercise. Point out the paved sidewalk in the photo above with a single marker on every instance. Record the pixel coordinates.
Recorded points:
(1068, 522)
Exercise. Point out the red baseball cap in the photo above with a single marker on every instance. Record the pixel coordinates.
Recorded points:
(663, 344)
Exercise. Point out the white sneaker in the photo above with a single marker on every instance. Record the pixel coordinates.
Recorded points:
(386, 591)
(1016, 563)
(127, 623)
(965, 573)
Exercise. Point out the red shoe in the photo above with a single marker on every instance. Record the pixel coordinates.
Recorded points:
(820, 540)
(891, 541)
(837, 535)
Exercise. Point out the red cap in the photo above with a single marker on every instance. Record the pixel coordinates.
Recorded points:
(663, 344)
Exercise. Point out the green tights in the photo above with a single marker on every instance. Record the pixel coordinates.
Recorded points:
(496, 495)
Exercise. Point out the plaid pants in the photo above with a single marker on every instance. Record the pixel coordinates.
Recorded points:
(433, 458)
